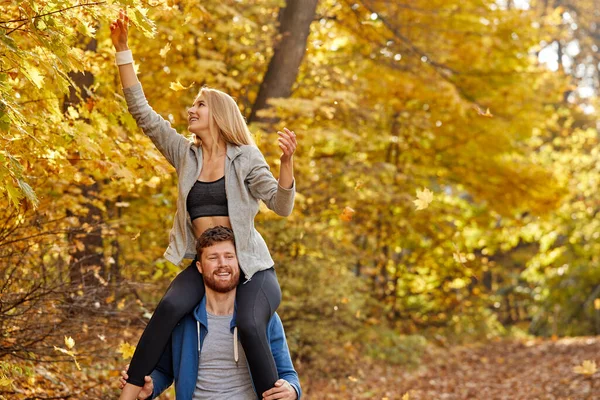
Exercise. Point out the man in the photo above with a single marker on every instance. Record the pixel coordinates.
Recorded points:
(204, 356)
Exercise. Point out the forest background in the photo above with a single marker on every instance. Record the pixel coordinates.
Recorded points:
(447, 178)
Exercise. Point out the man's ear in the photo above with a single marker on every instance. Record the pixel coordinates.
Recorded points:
(199, 266)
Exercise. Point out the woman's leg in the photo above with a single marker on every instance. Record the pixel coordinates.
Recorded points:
(184, 293)
(256, 301)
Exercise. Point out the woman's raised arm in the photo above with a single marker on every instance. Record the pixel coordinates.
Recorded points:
(171, 144)
(119, 30)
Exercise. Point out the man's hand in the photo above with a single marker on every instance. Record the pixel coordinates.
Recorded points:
(147, 389)
(282, 390)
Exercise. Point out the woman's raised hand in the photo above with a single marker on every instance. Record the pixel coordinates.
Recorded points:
(287, 144)
(119, 31)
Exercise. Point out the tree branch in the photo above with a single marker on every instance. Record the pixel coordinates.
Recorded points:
(50, 13)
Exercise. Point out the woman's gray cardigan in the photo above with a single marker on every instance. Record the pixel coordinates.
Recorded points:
(248, 179)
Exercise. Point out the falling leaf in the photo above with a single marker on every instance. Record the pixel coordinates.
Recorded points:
(121, 304)
(459, 258)
(163, 52)
(588, 368)
(597, 304)
(359, 185)
(69, 342)
(177, 86)
(102, 337)
(352, 379)
(347, 214)
(405, 396)
(486, 114)
(424, 198)
(72, 112)
(126, 350)
(70, 354)
(137, 235)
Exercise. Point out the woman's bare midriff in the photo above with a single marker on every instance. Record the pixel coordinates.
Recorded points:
(203, 223)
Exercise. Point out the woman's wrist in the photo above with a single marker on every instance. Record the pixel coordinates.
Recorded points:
(121, 48)
(124, 57)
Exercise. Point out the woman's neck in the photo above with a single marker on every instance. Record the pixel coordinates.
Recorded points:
(212, 149)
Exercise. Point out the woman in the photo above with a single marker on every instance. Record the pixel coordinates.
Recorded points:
(222, 176)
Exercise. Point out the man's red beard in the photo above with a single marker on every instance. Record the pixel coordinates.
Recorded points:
(220, 286)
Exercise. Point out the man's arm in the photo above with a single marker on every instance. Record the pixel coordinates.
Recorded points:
(281, 354)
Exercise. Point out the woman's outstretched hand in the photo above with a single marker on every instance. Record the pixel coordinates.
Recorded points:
(287, 144)
(119, 31)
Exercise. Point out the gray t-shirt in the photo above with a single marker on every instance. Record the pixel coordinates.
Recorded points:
(219, 377)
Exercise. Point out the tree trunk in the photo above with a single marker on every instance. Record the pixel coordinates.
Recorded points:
(294, 27)
(87, 258)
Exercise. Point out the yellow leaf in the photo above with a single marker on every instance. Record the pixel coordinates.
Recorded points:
(121, 304)
(359, 184)
(34, 75)
(586, 368)
(424, 198)
(73, 114)
(352, 379)
(347, 214)
(459, 258)
(126, 350)
(163, 52)
(177, 86)
(4, 381)
(79, 245)
(405, 396)
(597, 304)
(486, 114)
(137, 235)
(69, 342)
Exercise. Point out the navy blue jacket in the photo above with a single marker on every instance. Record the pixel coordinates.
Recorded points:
(179, 361)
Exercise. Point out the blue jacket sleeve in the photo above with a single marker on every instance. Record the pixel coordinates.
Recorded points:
(162, 376)
(281, 354)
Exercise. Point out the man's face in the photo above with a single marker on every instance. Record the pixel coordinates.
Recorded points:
(219, 267)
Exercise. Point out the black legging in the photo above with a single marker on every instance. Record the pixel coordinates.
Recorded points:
(256, 301)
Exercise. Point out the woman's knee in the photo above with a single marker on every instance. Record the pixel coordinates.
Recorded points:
(251, 329)
(171, 307)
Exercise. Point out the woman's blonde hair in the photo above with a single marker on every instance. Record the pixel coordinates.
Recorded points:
(226, 119)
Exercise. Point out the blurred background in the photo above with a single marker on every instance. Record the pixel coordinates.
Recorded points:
(447, 171)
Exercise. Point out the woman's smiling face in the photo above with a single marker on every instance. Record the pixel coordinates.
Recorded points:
(198, 116)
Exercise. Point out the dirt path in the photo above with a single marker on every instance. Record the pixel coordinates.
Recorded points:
(536, 369)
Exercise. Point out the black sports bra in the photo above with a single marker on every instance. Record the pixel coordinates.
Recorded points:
(207, 199)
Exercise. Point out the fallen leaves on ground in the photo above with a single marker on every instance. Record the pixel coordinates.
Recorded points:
(499, 370)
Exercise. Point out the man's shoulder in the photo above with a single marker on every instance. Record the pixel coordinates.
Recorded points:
(187, 320)
(275, 324)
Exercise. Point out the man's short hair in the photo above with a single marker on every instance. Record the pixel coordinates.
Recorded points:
(213, 236)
